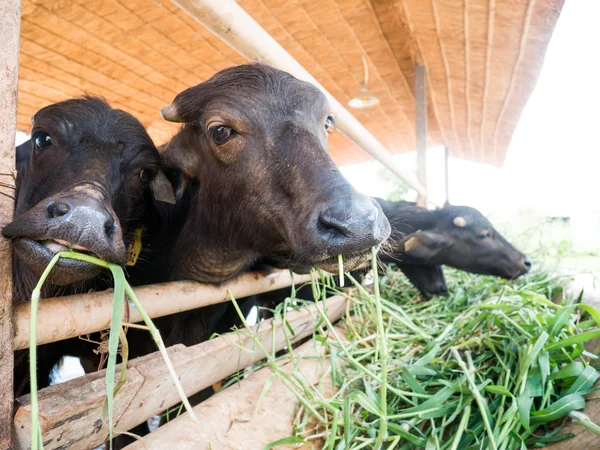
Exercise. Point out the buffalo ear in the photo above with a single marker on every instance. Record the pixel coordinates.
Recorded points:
(162, 189)
(171, 114)
(424, 245)
(179, 181)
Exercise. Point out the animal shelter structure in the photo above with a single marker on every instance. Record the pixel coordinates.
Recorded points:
(444, 72)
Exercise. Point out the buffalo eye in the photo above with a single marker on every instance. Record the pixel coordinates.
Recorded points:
(41, 141)
(484, 234)
(329, 123)
(147, 175)
(221, 134)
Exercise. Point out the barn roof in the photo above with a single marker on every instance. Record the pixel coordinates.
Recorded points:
(483, 58)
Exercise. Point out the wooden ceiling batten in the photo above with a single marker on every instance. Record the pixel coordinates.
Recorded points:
(483, 58)
(513, 75)
(434, 104)
(336, 31)
(307, 48)
(447, 75)
(361, 24)
(406, 54)
(468, 79)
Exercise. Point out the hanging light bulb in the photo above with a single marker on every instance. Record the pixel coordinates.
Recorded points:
(364, 99)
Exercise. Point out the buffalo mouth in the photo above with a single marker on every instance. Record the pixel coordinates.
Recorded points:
(37, 254)
(509, 272)
(330, 264)
(427, 294)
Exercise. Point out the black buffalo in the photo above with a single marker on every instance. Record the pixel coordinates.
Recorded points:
(84, 182)
(456, 236)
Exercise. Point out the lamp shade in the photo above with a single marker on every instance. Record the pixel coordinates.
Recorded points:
(363, 100)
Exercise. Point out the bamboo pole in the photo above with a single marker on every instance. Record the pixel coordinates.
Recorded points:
(268, 414)
(421, 129)
(229, 22)
(10, 24)
(71, 316)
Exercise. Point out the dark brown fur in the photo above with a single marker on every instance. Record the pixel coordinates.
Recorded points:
(95, 148)
(260, 194)
(477, 247)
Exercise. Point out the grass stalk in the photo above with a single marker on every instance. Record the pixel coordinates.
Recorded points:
(36, 432)
(382, 341)
(163, 351)
(477, 395)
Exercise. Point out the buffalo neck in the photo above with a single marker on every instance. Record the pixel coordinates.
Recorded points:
(195, 243)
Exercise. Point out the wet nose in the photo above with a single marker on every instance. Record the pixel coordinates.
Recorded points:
(88, 223)
(443, 289)
(84, 211)
(352, 224)
(527, 264)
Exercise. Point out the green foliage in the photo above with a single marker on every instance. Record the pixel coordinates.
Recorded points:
(494, 365)
(398, 190)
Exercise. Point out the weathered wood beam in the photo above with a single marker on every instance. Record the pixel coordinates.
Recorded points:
(245, 415)
(70, 412)
(10, 26)
(421, 129)
(71, 316)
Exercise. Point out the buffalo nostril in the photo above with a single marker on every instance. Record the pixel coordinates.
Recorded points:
(58, 209)
(110, 226)
(527, 263)
(332, 225)
(444, 289)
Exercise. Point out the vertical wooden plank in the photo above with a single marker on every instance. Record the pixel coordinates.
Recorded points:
(421, 129)
(10, 25)
(446, 176)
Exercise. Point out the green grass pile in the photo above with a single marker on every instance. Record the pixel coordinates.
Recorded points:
(494, 365)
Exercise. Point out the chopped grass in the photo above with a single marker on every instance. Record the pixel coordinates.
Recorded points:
(494, 365)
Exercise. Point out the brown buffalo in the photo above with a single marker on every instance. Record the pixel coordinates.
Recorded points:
(253, 179)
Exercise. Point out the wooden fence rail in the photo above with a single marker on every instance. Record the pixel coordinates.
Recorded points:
(71, 316)
(70, 413)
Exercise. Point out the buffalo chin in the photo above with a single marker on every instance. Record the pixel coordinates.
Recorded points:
(37, 256)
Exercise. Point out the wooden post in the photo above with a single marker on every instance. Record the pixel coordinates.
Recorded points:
(10, 26)
(446, 176)
(421, 130)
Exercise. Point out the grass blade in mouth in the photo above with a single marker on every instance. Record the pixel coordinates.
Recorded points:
(121, 286)
(113, 343)
(37, 441)
(341, 270)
